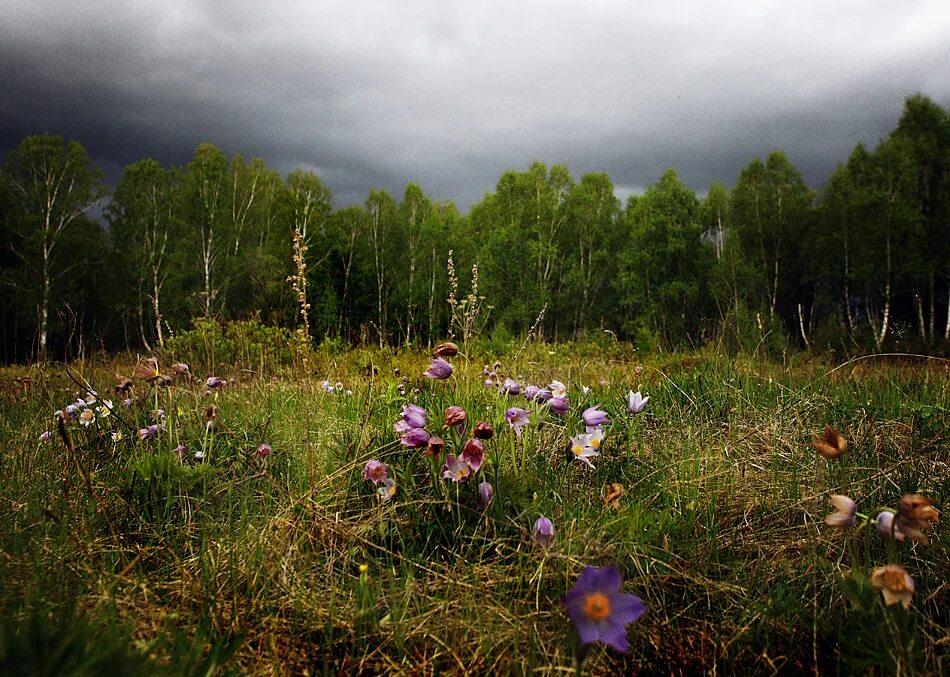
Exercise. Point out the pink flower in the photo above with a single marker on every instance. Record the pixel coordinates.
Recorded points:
(543, 532)
(456, 469)
(438, 369)
(375, 471)
(473, 453)
(517, 418)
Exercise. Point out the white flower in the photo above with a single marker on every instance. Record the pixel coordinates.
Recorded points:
(87, 417)
(636, 402)
(558, 389)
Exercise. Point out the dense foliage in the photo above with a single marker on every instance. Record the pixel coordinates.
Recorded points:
(864, 262)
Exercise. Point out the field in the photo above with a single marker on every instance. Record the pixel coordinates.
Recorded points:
(122, 552)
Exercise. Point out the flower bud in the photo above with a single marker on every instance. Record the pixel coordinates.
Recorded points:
(447, 349)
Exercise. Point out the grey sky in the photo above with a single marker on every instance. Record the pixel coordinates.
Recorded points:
(451, 94)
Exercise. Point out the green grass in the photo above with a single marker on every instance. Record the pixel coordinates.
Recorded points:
(254, 565)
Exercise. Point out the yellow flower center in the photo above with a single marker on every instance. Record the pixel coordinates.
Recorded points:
(578, 450)
(595, 443)
(597, 606)
(894, 581)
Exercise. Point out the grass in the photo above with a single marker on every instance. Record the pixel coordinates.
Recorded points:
(120, 556)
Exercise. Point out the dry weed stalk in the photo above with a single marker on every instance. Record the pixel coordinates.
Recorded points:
(465, 313)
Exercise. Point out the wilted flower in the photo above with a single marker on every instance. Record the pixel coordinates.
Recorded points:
(915, 514)
(558, 405)
(456, 469)
(388, 490)
(582, 449)
(483, 430)
(543, 532)
(147, 370)
(211, 414)
(164, 381)
(46, 436)
(264, 450)
(401, 389)
(123, 385)
(87, 417)
(435, 446)
(455, 417)
(599, 610)
(895, 583)
(830, 445)
(438, 369)
(214, 382)
(636, 402)
(845, 509)
(558, 389)
(375, 471)
(510, 387)
(517, 418)
(594, 417)
(473, 453)
(485, 494)
(181, 369)
(447, 349)
(614, 492)
(414, 438)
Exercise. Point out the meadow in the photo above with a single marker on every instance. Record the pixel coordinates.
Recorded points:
(220, 520)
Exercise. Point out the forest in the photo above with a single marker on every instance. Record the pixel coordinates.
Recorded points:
(859, 264)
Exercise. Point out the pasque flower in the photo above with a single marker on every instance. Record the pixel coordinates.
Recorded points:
(916, 514)
(543, 531)
(375, 471)
(455, 417)
(413, 416)
(517, 418)
(473, 453)
(558, 405)
(582, 448)
(511, 387)
(845, 509)
(485, 494)
(636, 402)
(895, 583)
(831, 444)
(438, 369)
(456, 469)
(483, 430)
(599, 610)
(594, 417)
(415, 437)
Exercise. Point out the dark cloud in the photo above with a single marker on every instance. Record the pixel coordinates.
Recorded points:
(378, 94)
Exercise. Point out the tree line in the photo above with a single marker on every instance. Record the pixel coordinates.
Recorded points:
(861, 263)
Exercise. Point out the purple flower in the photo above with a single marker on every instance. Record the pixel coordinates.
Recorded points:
(214, 382)
(264, 450)
(845, 508)
(148, 433)
(599, 610)
(473, 453)
(127, 402)
(594, 417)
(375, 471)
(72, 411)
(414, 438)
(544, 395)
(530, 392)
(510, 387)
(438, 369)
(414, 416)
(181, 450)
(327, 388)
(886, 528)
(517, 419)
(485, 494)
(558, 405)
(456, 469)
(46, 436)
(636, 402)
(543, 532)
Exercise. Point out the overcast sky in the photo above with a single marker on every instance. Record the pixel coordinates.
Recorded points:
(451, 94)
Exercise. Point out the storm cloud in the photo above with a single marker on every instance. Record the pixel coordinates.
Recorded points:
(450, 95)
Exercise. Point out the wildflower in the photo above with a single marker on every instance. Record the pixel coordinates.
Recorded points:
(530, 392)
(181, 450)
(413, 416)
(87, 417)
(447, 349)
(594, 417)
(582, 449)
(46, 436)
(517, 419)
(123, 385)
(214, 382)
(636, 402)
(614, 492)
(147, 370)
(485, 494)
(488, 383)
(401, 389)
(105, 409)
(148, 433)
(831, 444)
(159, 414)
(199, 456)
(181, 369)
(264, 450)
(585, 389)
(388, 490)
(164, 381)
(915, 514)
(558, 405)
(544, 395)
(127, 403)
(595, 437)
(885, 526)
(473, 453)
(415, 437)
(510, 387)
(117, 436)
(483, 430)
(72, 411)
(211, 415)
(599, 610)
(435, 447)
(844, 511)
(375, 471)
(558, 389)
(91, 398)
(456, 469)
(895, 583)
(455, 417)
(543, 532)
(438, 369)
(327, 388)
